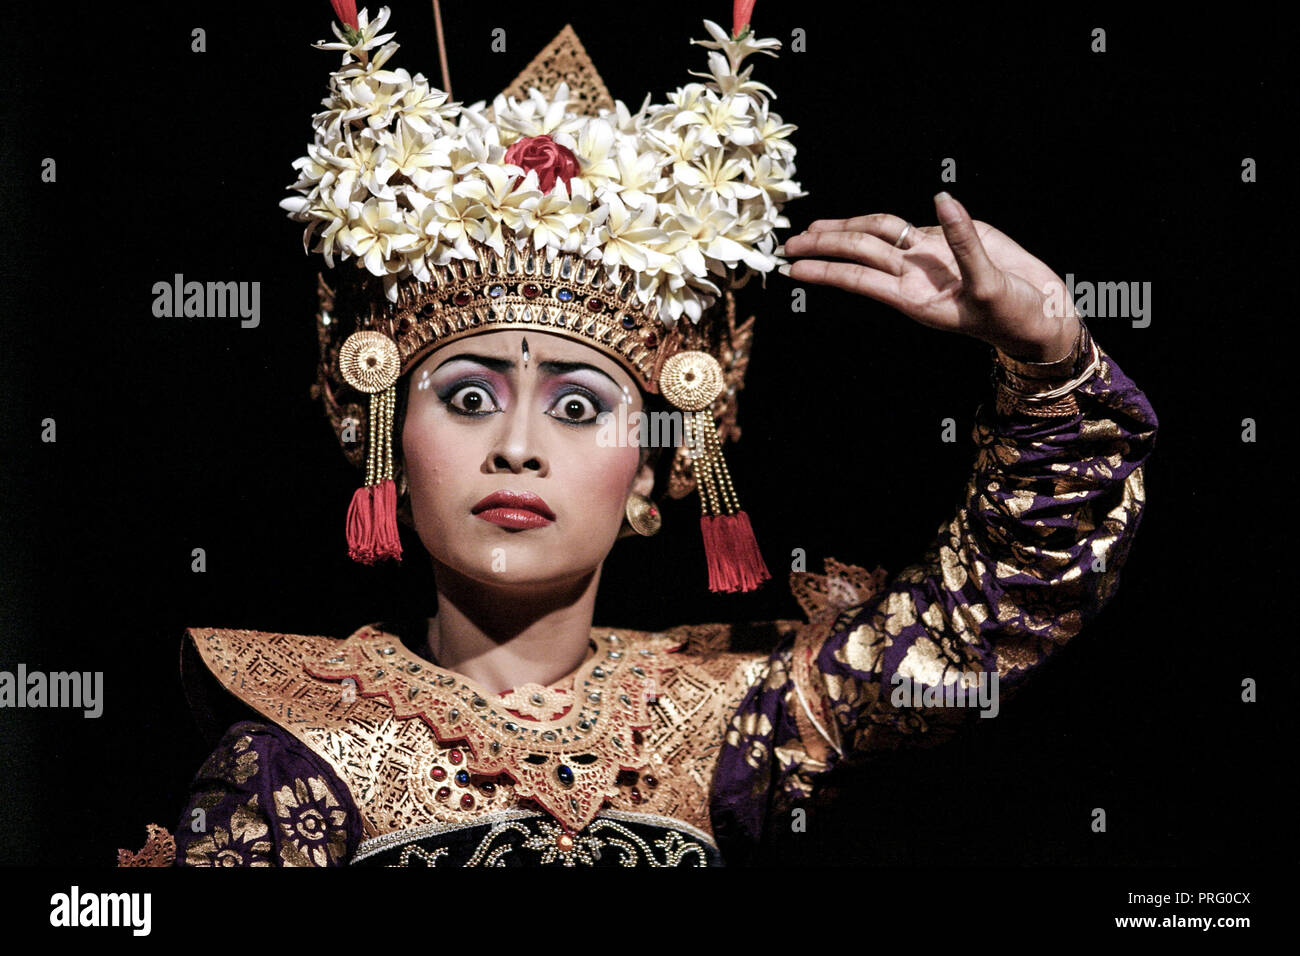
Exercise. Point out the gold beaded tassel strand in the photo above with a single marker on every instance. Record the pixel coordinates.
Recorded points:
(369, 362)
(691, 381)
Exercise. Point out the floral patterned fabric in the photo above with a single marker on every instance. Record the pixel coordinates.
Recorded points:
(1031, 555)
(262, 799)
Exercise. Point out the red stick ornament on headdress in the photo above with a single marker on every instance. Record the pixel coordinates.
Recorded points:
(346, 11)
(740, 11)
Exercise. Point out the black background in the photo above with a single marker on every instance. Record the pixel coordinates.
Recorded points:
(177, 433)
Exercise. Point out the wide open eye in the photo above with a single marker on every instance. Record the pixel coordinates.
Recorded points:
(577, 408)
(472, 400)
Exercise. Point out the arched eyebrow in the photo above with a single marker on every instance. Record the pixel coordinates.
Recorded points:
(507, 365)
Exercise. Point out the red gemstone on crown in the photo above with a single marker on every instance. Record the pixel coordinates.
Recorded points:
(437, 773)
(454, 756)
(531, 290)
(467, 800)
(462, 298)
(594, 305)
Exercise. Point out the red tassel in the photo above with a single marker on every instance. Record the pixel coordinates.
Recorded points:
(360, 526)
(735, 563)
(372, 524)
(388, 543)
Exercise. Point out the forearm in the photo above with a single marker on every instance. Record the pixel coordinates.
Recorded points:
(1033, 552)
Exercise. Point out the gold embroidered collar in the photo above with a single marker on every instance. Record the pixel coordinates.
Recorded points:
(569, 764)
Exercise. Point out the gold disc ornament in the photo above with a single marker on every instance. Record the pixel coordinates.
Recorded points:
(643, 515)
(369, 361)
(691, 380)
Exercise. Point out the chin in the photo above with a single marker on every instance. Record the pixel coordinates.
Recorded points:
(518, 558)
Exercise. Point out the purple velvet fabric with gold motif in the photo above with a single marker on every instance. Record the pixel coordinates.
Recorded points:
(264, 799)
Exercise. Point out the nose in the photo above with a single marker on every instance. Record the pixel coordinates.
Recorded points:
(515, 446)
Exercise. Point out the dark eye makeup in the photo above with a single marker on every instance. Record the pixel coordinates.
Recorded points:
(478, 392)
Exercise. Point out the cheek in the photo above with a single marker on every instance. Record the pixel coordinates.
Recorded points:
(603, 476)
(435, 459)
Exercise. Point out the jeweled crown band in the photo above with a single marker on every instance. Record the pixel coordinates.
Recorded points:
(567, 295)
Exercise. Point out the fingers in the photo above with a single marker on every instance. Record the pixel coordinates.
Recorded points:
(883, 225)
(850, 277)
(858, 246)
(982, 280)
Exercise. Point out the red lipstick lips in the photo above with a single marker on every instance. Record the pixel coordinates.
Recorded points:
(514, 509)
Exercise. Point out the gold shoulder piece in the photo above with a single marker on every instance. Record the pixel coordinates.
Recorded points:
(266, 671)
(842, 586)
(563, 60)
(703, 640)
(158, 850)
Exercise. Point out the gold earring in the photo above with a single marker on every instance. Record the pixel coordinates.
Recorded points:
(643, 514)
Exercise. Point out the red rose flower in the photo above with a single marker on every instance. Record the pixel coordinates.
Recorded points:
(548, 158)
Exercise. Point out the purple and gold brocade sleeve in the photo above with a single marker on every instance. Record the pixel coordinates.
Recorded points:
(1032, 554)
(263, 799)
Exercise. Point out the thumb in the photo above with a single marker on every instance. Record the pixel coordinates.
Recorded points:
(982, 280)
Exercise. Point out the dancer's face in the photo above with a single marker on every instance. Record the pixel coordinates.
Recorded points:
(482, 416)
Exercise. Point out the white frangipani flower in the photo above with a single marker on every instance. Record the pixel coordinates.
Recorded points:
(623, 235)
(592, 147)
(773, 134)
(367, 35)
(716, 173)
(427, 110)
(770, 178)
(378, 231)
(553, 219)
(681, 148)
(411, 154)
(736, 50)
(626, 123)
(376, 63)
(703, 224)
(731, 83)
(719, 118)
(494, 187)
(461, 218)
(640, 175)
(536, 115)
(477, 148)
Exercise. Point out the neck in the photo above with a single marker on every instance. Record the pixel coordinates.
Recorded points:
(502, 636)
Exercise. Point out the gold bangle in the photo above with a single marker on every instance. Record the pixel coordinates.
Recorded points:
(1060, 370)
(1050, 398)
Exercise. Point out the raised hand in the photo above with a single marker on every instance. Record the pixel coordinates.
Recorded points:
(960, 276)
